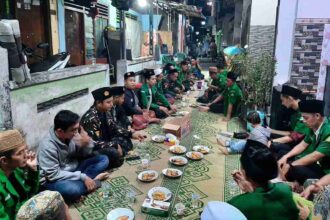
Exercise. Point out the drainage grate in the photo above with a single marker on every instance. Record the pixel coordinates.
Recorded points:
(60, 100)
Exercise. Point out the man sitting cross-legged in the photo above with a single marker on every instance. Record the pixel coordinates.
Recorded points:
(62, 157)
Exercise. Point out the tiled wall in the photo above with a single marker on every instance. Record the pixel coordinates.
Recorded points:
(306, 54)
(261, 39)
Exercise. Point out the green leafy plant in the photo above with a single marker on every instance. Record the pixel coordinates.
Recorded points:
(257, 75)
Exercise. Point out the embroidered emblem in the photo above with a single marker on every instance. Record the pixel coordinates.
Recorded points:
(106, 93)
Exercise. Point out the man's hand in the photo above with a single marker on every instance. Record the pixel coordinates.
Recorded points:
(138, 136)
(82, 139)
(282, 161)
(303, 211)
(31, 161)
(164, 109)
(284, 170)
(243, 184)
(314, 188)
(90, 184)
(226, 119)
(173, 108)
(131, 129)
(120, 150)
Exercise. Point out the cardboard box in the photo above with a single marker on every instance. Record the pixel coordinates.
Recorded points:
(179, 126)
(157, 208)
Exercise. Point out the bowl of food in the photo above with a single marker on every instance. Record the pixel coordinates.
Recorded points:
(202, 149)
(178, 160)
(172, 173)
(194, 155)
(120, 214)
(158, 138)
(148, 176)
(160, 194)
(178, 149)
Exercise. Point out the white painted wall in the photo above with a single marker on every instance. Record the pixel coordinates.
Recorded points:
(313, 9)
(284, 40)
(289, 11)
(263, 12)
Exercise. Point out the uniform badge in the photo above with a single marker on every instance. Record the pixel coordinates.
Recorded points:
(97, 133)
(106, 93)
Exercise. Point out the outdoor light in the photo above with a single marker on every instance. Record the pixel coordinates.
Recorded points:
(209, 3)
(142, 3)
(203, 22)
(197, 33)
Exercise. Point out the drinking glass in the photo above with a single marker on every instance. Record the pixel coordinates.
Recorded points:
(194, 200)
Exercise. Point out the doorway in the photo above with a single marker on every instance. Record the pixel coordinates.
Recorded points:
(75, 36)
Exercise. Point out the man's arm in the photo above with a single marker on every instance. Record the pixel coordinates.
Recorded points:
(283, 133)
(217, 99)
(295, 151)
(308, 159)
(229, 112)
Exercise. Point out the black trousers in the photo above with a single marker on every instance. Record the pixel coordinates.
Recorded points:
(209, 98)
(302, 173)
(217, 107)
(159, 113)
(280, 149)
(114, 159)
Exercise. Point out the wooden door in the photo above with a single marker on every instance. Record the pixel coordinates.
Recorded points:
(34, 27)
(75, 36)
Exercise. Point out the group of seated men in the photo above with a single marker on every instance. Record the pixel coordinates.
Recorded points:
(74, 156)
(77, 151)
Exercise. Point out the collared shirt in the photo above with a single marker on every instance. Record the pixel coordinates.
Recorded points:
(319, 141)
(275, 202)
(232, 95)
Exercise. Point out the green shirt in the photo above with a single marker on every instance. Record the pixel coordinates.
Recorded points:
(297, 123)
(156, 96)
(159, 86)
(232, 95)
(10, 201)
(321, 144)
(275, 203)
(222, 80)
(181, 77)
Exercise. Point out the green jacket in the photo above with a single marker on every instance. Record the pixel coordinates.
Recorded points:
(181, 77)
(321, 145)
(156, 96)
(222, 80)
(275, 203)
(232, 95)
(297, 123)
(10, 201)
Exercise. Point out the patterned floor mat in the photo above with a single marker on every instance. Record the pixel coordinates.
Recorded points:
(209, 178)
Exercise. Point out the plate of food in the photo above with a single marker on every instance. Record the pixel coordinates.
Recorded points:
(202, 149)
(160, 194)
(158, 138)
(120, 214)
(148, 176)
(194, 105)
(194, 155)
(178, 149)
(172, 173)
(178, 160)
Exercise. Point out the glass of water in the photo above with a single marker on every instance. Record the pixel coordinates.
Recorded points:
(145, 161)
(194, 200)
(106, 190)
(232, 187)
(130, 197)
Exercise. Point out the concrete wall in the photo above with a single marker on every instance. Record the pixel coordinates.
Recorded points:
(284, 40)
(5, 114)
(262, 27)
(24, 101)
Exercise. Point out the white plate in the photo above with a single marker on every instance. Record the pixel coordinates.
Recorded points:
(202, 149)
(167, 192)
(182, 148)
(189, 155)
(171, 136)
(118, 212)
(158, 138)
(179, 172)
(184, 160)
(145, 172)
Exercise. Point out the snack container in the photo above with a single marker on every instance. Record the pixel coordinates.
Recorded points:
(156, 208)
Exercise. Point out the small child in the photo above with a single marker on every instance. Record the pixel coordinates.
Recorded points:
(258, 133)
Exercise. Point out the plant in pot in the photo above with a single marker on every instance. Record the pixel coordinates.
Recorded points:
(256, 76)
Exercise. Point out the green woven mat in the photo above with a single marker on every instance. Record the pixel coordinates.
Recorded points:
(232, 163)
(204, 126)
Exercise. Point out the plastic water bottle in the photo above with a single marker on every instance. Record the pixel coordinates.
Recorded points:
(194, 200)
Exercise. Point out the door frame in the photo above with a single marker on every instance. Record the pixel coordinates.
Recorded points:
(82, 11)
